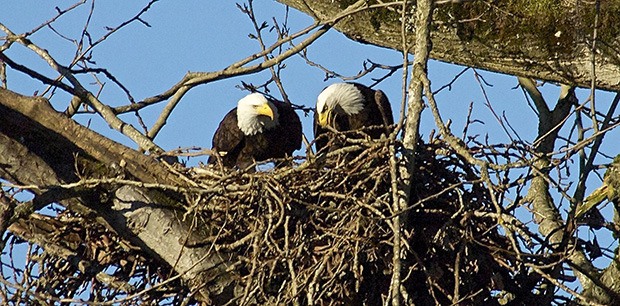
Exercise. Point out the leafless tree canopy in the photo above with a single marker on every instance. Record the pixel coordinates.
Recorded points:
(443, 219)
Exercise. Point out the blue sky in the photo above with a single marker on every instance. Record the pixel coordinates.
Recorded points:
(208, 36)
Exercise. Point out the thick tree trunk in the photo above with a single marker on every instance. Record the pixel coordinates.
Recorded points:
(545, 40)
(39, 146)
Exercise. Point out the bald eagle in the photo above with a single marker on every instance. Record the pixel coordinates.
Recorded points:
(257, 129)
(351, 106)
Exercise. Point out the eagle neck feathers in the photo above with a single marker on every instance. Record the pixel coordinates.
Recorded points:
(347, 96)
(251, 123)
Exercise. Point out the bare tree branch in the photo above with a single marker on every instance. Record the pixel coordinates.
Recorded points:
(492, 36)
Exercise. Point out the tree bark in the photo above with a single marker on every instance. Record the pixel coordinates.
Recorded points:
(39, 146)
(545, 40)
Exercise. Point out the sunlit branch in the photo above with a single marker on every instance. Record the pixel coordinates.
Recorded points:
(104, 110)
(598, 141)
(239, 68)
(60, 13)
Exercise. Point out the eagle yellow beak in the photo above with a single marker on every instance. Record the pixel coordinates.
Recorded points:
(324, 117)
(265, 110)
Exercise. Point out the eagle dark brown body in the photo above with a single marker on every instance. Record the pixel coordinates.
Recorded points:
(375, 112)
(241, 150)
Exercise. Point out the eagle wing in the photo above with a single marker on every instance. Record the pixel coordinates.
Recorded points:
(291, 127)
(377, 111)
(383, 104)
(228, 140)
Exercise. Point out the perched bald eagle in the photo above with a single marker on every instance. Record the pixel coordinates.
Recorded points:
(351, 106)
(256, 130)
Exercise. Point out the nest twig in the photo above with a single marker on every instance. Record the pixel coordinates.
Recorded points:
(316, 233)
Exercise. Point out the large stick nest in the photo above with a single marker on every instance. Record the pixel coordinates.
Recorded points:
(320, 232)
(323, 232)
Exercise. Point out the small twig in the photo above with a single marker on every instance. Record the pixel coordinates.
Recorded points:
(77, 89)
(59, 14)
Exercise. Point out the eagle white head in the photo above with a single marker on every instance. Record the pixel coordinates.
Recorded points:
(338, 98)
(256, 114)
